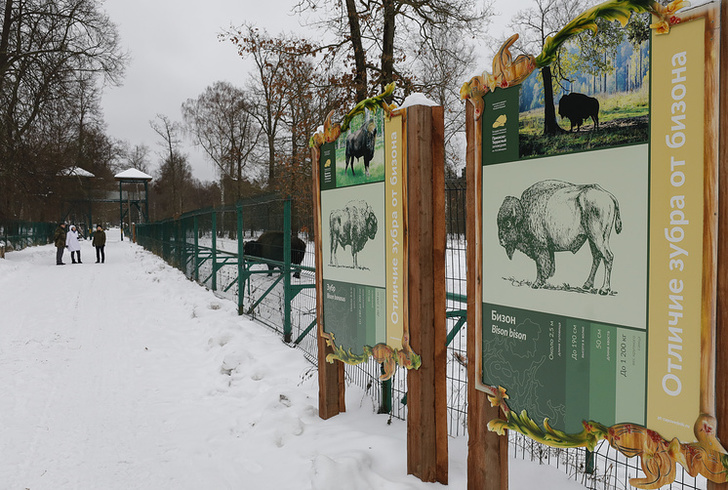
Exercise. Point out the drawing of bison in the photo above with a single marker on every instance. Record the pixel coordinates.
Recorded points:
(269, 246)
(360, 144)
(556, 216)
(578, 108)
(354, 225)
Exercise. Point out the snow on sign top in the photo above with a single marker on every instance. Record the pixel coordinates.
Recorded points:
(132, 174)
(417, 99)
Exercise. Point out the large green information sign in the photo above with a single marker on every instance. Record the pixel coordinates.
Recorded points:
(598, 237)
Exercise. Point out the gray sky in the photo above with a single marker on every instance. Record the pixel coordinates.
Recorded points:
(175, 55)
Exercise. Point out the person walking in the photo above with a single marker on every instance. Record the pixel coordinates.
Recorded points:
(99, 241)
(73, 244)
(59, 239)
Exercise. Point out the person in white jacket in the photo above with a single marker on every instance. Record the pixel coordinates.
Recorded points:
(73, 245)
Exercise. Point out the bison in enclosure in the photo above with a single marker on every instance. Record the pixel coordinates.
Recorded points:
(556, 216)
(354, 225)
(360, 144)
(578, 108)
(269, 246)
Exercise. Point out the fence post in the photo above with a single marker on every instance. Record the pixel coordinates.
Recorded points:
(241, 257)
(287, 296)
(214, 250)
(196, 227)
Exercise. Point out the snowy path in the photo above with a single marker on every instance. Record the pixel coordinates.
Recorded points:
(125, 375)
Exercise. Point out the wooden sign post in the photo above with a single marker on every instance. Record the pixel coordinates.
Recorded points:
(427, 390)
(721, 337)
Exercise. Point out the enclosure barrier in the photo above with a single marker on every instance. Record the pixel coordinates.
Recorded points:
(206, 245)
(17, 235)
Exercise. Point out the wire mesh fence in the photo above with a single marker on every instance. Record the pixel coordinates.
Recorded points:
(278, 290)
(17, 235)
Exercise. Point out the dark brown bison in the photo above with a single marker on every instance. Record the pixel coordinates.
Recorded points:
(354, 225)
(360, 144)
(269, 246)
(578, 108)
(556, 216)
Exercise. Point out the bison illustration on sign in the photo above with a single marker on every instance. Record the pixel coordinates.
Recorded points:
(578, 108)
(556, 216)
(360, 144)
(354, 225)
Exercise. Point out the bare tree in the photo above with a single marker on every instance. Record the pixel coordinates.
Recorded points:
(372, 29)
(138, 158)
(439, 68)
(220, 120)
(51, 53)
(264, 89)
(174, 172)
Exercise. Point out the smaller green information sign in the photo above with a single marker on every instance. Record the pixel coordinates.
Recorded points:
(328, 166)
(355, 314)
(565, 369)
(500, 126)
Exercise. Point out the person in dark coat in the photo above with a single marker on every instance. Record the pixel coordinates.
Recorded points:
(59, 239)
(99, 242)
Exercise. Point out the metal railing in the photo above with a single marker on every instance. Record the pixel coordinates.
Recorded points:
(17, 235)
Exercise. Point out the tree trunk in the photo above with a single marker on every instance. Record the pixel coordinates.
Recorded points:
(550, 125)
(387, 76)
(360, 59)
(5, 39)
(271, 159)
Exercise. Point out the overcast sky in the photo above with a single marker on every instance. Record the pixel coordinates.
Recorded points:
(176, 54)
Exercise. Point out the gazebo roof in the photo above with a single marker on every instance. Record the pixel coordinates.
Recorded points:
(133, 174)
(75, 172)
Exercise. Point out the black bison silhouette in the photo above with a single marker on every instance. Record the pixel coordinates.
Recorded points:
(360, 144)
(354, 225)
(578, 108)
(556, 216)
(269, 246)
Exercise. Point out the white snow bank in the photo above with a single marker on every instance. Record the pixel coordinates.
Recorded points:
(127, 375)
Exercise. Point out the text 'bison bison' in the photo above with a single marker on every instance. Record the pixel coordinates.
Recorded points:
(556, 216)
(269, 246)
(360, 144)
(354, 225)
(578, 108)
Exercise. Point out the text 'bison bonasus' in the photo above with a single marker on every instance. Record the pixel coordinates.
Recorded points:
(269, 246)
(354, 225)
(578, 108)
(360, 144)
(556, 216)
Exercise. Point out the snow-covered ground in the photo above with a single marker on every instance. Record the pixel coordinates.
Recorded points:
(126, 375)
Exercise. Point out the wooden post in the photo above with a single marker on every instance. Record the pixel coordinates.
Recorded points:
(721, 338)
(487, 451)
(426, 397)
(330, 376)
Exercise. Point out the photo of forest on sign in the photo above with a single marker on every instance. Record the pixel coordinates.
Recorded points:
(599, 89)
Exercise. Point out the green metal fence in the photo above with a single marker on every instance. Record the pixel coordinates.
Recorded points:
(208, 247)
(17, 235)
